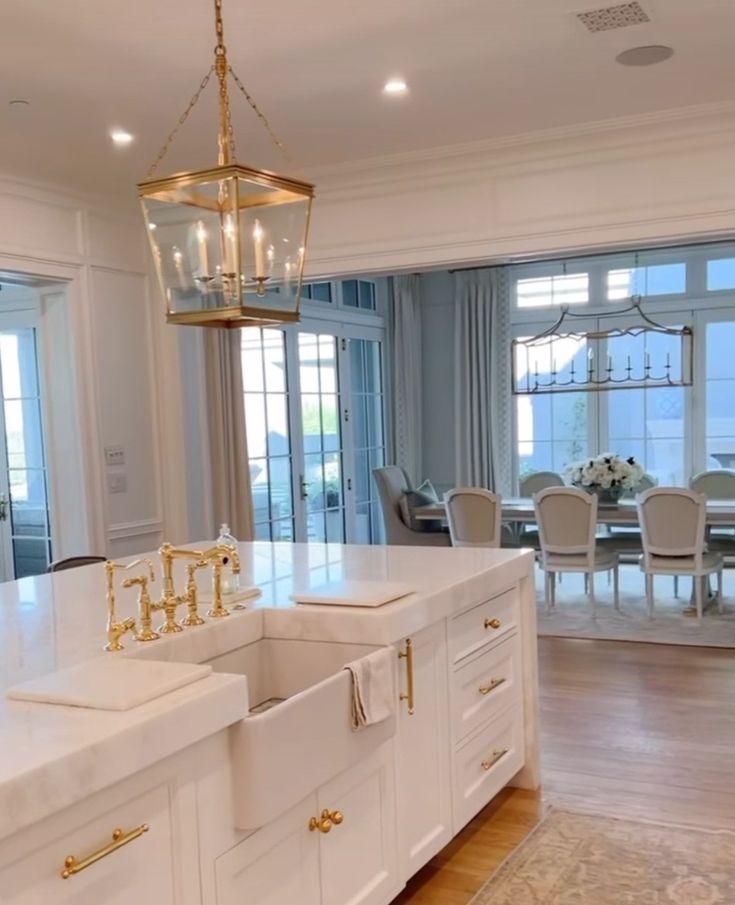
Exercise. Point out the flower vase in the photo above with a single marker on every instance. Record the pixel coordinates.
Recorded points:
(607, 496)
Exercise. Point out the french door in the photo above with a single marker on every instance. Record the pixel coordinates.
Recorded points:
(314, 404)
(25, 533)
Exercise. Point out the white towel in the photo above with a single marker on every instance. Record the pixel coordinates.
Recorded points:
(373, 694)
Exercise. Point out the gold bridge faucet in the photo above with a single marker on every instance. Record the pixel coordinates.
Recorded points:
(219, 557)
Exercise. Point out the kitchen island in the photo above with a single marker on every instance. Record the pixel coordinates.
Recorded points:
(216, 805)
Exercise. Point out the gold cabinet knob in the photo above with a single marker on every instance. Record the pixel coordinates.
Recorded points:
(492, 623)
(335, 816)
(323, 824)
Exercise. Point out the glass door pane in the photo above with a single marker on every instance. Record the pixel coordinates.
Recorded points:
(648, 423)
(322, 478)
(720, 395)
(265, 383)
(368, 436)
(27, 481)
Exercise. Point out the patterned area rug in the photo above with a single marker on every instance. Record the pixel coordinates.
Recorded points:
(575, 618)
(574, 859)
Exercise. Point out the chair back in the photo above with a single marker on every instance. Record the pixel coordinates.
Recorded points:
(567, 521)
(392, 482)
(718, 484)
(672, 521)
(74, 562)
(473, 514)
(539, 480)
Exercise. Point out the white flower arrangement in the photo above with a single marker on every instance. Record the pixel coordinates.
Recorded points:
(606, 471)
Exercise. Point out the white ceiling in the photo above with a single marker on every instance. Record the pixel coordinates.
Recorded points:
(477, 69)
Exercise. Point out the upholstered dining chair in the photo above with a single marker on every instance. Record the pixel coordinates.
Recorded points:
(74, 562)
(672, 521)
(539, 480)
(718, 484)
(473, 514)
(392, 483)
(567, 520)
(527, 487)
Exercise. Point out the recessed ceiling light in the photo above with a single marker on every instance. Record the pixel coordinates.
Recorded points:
(648, 55)
(121, 137)
(395, 87)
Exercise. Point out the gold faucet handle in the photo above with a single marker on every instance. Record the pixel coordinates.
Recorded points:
(115, 631)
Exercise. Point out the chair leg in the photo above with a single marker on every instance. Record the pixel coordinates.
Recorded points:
(548, 584)
(720, 601)
(553, 590)
(586, 583)
(698, 595)
(616, 586)
(649, 595)
(591, 580)
(676, 586)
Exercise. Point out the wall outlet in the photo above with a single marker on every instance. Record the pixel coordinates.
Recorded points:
(115, 455)
(117, 482)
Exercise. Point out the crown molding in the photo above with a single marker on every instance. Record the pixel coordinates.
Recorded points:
(487, 147)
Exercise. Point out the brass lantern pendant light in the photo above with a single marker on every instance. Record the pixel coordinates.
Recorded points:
(228, 242)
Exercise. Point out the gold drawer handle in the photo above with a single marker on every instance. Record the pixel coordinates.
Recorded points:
(492, 623)
(488, 764)
(119, 838)
(325, 823)
(491, 686)
(408, 695)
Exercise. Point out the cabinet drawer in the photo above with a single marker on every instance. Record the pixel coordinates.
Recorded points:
(142, 870)
(484, 686)
(483, 624)
(486, 763)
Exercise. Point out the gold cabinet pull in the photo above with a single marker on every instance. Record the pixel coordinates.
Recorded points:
(407, 696)
(491, 686)
(119, 838)
(492, 623)
(496, 755)
(327, 820)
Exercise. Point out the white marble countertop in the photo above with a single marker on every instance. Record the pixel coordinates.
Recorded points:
(52, 756)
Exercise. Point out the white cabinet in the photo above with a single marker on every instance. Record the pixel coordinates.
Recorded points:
(278, 865)
(354, 863)
(423, 751)
(150, 866)
(359, 856)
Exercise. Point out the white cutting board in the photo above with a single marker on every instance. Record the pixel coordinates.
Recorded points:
(109, 683)
(354, 593)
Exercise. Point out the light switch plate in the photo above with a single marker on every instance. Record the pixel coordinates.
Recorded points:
(115, 455)
(117, 482)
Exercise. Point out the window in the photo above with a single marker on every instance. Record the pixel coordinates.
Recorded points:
(563, 289)
(366, 378)
(655, 279)
(720, 395)
(721, 274)
(317, 292)
(265, 381)
(359, 294)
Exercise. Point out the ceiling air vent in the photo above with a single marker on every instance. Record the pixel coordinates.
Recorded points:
(619, 16)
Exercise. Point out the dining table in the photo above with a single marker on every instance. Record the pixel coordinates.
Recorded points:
(521, 511)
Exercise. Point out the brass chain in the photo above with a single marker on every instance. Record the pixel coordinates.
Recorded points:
(182, 119)
(261, 116)
(222, 68)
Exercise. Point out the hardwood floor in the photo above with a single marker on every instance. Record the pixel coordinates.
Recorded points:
(634, 730)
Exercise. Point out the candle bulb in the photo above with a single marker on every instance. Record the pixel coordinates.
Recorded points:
(202, 248)
(271, 255)
(629, 367)
(648, 361)
(229, 246)
(668, 361)
(259, 257)
(178, 258)
(609, 363)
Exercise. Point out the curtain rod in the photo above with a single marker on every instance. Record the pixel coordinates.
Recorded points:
(602, 254)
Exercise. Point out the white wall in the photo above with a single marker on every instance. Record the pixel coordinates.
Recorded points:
(667, 176)
(98, 256)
